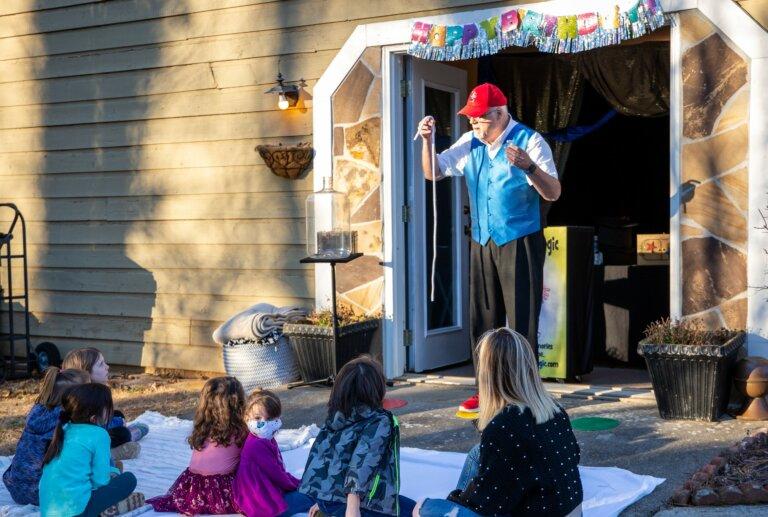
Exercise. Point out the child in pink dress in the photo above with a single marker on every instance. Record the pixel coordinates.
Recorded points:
(205, 487)
(263, 488)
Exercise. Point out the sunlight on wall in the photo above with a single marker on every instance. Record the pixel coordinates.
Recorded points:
(215, 229)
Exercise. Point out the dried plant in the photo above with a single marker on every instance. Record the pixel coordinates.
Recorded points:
(685, 332)
(747, 463)
(346, 314)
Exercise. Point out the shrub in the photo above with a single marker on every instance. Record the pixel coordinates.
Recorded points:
(346, 314)
(685, 332)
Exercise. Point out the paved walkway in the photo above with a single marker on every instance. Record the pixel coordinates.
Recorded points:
(609, 392)
(642, 443)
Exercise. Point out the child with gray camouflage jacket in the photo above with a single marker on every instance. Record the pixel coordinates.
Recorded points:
(353, 467)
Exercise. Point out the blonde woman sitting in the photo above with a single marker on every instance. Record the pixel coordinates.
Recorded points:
(527, 460)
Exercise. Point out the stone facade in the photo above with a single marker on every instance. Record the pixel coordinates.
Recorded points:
(356, 171)
(714, 165)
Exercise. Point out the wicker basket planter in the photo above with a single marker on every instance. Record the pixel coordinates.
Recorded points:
(287, 161)
(691, 382)
(320, 357)
(261, 365)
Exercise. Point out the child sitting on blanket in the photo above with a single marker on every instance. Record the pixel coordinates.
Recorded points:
(122, 438)
(263, 488)
(77, 477)
(23, 475)
(205, 487)
(354, 465)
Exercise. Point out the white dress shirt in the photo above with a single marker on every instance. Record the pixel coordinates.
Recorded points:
(453, 160)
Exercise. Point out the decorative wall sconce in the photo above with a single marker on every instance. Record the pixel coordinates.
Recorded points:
(289, 161)
(291, 95)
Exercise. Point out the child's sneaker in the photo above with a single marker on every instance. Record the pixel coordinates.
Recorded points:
(138, 431)
(126, 451)
(132, 502)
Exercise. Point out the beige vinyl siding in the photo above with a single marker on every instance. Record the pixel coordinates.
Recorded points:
(127, 136)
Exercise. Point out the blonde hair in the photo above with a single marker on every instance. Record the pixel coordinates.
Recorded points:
(82, 359)
(508, 374)
(56, 382)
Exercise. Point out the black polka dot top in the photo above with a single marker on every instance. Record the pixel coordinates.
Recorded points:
(525, 468)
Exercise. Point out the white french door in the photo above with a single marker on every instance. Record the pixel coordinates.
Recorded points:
(440, 328)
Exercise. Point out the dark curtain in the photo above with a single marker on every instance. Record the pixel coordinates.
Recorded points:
(633, 79)
(543, 92)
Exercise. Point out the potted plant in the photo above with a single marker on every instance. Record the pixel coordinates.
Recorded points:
(321, 350)
(690, 367)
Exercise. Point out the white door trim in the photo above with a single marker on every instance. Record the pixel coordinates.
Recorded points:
(393, 192)
(675, 154)
(726, 15)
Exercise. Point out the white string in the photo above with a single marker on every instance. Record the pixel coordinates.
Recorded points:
(434, 205)
(434, 216)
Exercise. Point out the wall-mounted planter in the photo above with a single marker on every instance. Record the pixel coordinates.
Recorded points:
(287, 161)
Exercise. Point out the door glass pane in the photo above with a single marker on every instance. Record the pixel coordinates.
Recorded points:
(441, 313)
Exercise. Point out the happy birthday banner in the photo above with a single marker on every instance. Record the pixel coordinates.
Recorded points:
(525, 27)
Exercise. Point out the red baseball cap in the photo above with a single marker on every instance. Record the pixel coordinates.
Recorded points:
(481, 99)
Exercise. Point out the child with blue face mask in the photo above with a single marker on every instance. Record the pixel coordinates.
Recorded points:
(262, 487)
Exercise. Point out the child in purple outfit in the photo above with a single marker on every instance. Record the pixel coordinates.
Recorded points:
(262, 487)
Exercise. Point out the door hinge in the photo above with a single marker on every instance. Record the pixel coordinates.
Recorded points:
(405, 88)
(407, 338)
(406, 215)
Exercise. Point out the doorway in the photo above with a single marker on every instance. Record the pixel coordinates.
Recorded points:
(624, 163)
(437, 300)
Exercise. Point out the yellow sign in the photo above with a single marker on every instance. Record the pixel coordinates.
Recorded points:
(553, 323)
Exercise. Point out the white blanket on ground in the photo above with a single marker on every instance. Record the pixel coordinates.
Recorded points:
(425, 473)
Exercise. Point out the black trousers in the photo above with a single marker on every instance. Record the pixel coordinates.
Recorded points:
(119, 435)
(505, 285)
(119, 488)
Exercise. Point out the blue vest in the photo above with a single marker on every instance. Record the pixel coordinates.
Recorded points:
(503, 205)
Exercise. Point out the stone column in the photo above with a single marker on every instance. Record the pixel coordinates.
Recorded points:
(356, 170)
(714, 175)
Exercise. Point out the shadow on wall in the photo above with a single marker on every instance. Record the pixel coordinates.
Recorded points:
(152, 226)
(88, 289)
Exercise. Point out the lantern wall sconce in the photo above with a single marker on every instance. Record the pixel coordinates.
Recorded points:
(291, 95)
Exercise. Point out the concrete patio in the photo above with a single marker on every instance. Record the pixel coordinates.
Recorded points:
(642, 443)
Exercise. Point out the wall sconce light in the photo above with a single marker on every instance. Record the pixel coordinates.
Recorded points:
(289, 95)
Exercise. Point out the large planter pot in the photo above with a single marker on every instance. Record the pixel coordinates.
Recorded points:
(691, 382)
(258, 365)
(319, 355)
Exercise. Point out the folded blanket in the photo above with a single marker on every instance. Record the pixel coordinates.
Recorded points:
(257, 322)
(265, 323)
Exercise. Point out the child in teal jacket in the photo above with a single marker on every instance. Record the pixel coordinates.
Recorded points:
(77, 476)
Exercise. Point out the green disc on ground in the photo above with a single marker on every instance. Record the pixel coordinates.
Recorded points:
(593, 423)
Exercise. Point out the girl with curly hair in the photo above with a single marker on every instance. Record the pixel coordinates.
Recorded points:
(217, 438)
